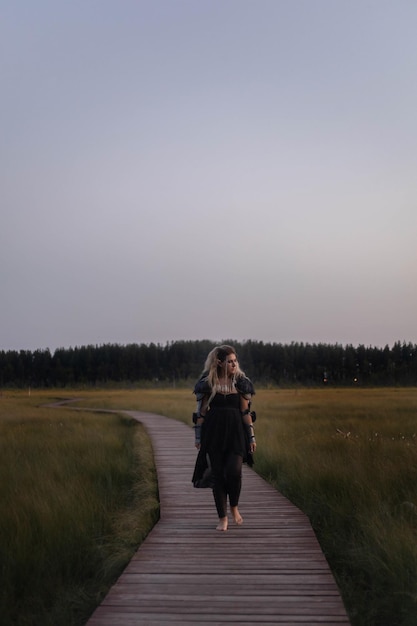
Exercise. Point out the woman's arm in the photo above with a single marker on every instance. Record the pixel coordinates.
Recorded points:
(247, 420)
(200, 421)
(203, 410)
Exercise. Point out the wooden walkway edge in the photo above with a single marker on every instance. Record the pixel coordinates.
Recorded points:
(271, 570)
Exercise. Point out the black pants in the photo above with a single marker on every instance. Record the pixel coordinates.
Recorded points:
(227, 478)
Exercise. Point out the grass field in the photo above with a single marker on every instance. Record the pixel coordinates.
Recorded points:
(77, 496)
(348, 458)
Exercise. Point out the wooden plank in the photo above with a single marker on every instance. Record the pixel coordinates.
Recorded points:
(270, 570)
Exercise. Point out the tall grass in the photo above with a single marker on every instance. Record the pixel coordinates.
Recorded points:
(348, 459)
(77, 495)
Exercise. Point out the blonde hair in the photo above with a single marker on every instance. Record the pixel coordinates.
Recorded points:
(212, 366)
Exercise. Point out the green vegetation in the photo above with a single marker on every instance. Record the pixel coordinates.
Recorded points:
(266, 363)
(347, 457)
(77, 495)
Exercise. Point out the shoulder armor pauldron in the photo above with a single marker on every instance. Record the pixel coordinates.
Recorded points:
(244, 386)
(202, 387)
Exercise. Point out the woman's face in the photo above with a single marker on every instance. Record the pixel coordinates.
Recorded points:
(231, 364)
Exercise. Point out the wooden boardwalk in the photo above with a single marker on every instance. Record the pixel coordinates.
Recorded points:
(270, 570)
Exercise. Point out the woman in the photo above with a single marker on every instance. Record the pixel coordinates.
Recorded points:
(224, 429)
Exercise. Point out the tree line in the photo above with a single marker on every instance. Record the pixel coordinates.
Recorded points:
(181, 362)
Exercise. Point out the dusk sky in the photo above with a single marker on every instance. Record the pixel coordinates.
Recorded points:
(208, 169)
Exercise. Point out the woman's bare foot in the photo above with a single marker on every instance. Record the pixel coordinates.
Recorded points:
(222, 525)
(236, 515)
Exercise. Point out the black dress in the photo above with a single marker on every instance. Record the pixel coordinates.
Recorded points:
(223, 426)
(222, 432)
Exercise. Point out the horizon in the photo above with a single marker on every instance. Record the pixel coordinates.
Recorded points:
(229, 341)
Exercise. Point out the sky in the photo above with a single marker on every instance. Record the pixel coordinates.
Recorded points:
(208, 169)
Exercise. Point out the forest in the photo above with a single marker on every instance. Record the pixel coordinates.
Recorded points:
(181, 362)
